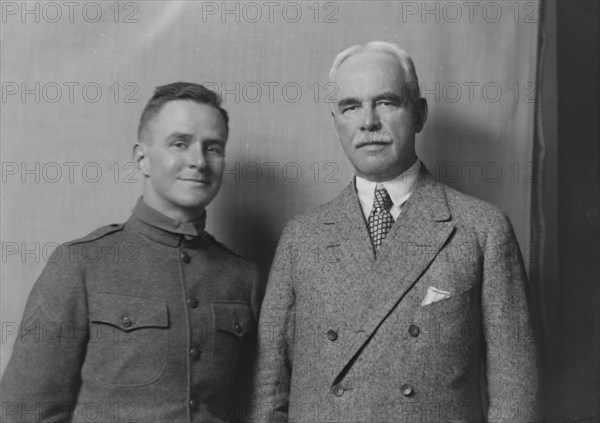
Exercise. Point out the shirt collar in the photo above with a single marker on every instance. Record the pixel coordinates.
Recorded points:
(154, 218)
(399, 188)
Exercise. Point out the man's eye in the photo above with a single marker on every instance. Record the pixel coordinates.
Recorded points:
(350, 108)
(385, 103)
(214, 149)
(179, 144)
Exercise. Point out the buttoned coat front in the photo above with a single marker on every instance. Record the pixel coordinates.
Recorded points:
(135, 323)
(345, 336)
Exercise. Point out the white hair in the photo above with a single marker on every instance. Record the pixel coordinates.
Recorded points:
(404, 60)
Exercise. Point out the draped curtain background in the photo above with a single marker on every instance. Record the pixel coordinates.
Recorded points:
(75, 80)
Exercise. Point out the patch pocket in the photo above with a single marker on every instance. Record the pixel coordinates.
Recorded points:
(128, 339)
(232, 320)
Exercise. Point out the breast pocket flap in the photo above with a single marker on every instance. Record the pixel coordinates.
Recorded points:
(128, 312)
(234, 317)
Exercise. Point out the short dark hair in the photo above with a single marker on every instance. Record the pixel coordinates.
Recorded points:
(180, 91)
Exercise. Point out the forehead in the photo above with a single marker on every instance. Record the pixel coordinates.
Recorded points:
(368, 74)
(190, 117)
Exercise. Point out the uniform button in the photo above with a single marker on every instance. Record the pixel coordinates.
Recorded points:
(414, 331)
(407, 390)
(195, 354)
(192, 302)
(332, 335)
(184, 257)
(126, 322)
(238, 328)
(337, 390)
(193, 404)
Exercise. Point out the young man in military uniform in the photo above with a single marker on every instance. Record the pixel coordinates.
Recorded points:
(163, 333)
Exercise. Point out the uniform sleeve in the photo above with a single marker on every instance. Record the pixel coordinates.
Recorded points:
(275, 335)
(511, 350)
(42, 379)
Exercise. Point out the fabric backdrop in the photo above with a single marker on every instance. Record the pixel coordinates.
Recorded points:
(75, 77)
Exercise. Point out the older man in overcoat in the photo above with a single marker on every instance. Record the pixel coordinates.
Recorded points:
(151, 320)
(402, 300)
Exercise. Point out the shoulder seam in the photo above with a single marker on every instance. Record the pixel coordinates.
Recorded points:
(98, 233)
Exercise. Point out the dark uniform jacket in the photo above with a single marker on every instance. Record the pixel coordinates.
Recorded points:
(136, 322)
(347, 336)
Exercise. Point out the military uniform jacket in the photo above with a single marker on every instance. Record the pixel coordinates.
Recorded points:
(135, 323)
(348, 336)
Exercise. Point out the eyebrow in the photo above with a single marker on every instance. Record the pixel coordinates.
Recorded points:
(348, 101)
(388, 95)
(391, 96)
(179, 136)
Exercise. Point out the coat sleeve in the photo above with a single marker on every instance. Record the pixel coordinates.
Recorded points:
(511, 350)
(276, 335)
(42, 379)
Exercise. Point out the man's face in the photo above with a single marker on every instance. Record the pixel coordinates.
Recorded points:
(182, 156)
(375, 120)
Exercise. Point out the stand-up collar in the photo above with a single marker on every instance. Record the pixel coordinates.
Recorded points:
(162, 228)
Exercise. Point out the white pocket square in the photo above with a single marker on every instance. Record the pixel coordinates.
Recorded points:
(433, 295)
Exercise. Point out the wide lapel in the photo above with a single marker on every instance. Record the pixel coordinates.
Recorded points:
(345, 232)
(415, 239)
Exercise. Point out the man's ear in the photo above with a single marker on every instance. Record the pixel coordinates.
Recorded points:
(334, 125)
(421, 114)
(140, 158)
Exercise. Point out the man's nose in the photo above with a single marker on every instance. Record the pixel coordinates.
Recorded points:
(371, 120)
(195, 156)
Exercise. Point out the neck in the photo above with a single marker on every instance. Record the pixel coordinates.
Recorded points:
(391, 174)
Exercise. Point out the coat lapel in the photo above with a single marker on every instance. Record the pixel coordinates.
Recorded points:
(345, 229)
(413, 242)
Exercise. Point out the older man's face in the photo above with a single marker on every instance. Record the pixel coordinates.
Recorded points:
(375, 120)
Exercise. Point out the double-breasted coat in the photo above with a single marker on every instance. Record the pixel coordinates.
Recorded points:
(136, 322)
(433, 328)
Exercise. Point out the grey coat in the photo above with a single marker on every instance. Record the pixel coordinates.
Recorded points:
(344, 337)
(135, 323)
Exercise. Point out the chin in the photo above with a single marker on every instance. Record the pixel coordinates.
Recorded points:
(199, 204)
(373, 170)
(194, 203)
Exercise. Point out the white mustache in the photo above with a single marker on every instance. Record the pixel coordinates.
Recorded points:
(366, 138)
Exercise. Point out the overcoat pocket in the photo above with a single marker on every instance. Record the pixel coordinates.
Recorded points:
(128, 339)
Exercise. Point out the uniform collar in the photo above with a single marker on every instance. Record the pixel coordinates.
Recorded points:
(162, 228)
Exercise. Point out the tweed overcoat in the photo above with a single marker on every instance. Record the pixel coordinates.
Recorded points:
(135, 323)
(346, 336)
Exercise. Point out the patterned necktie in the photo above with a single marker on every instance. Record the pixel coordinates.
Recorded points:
(380, 219)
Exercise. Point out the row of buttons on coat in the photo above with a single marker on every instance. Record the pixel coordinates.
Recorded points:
(191, 300)
(193, 303)
(413, 330)
(406, 389)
